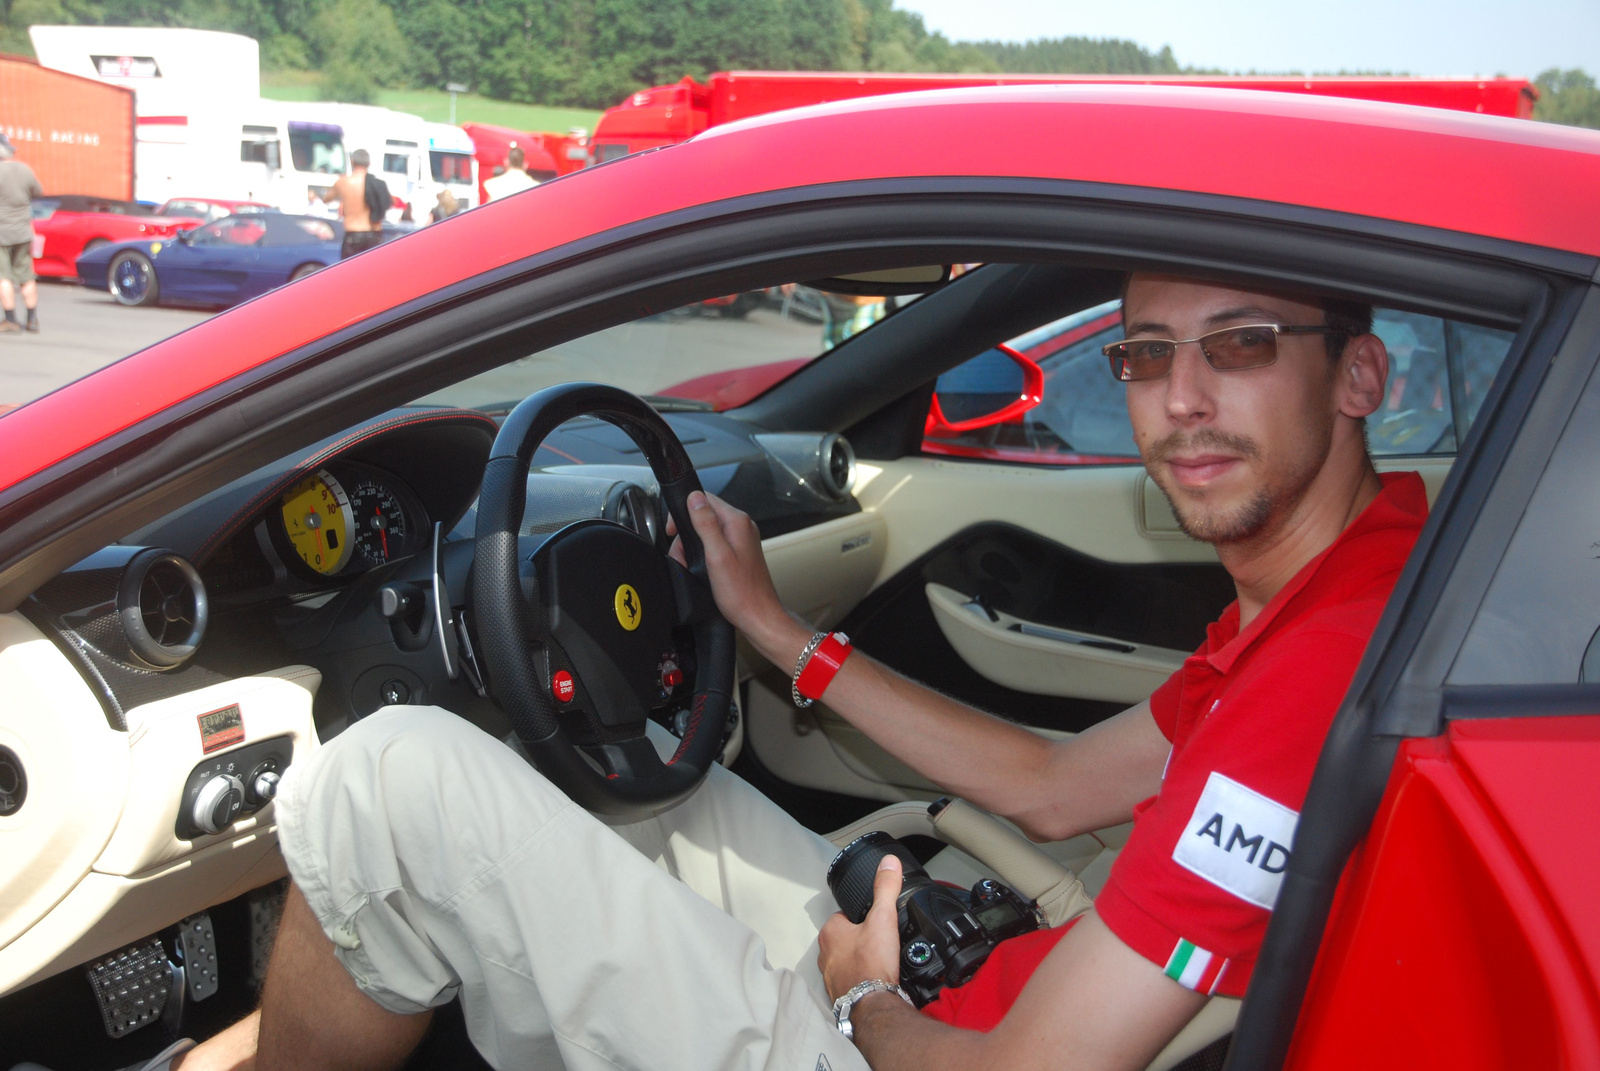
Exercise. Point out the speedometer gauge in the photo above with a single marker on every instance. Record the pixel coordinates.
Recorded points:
(317, 518)
(380, 532)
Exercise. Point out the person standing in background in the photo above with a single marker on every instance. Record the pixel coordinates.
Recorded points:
(358, 207)
(18, 187)
(447, 207)
(513, 180)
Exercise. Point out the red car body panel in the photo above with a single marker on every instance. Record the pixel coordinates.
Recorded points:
(1499, 178)
(665, 115)
(1465, 932)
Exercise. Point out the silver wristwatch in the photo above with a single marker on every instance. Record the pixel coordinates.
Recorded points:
(842, 1006)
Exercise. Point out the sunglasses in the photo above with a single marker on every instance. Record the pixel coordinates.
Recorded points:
(1228, 350)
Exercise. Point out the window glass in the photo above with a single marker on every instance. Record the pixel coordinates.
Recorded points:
(259, 152)
(396, 162)
(452, 167)
(1439, 372)
(718, 353)
(296, 230)
(316, 149)
(187, 209)
(1539, 622)
(235, 230)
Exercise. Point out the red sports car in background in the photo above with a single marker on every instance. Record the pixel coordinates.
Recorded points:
(68, 225)
(1438, 908)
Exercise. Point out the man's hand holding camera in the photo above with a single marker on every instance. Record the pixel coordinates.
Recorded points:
(850, 953)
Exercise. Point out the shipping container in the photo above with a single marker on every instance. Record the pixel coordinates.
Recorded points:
(76, 133)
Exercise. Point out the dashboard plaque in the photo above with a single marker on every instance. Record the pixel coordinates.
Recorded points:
(221, 728)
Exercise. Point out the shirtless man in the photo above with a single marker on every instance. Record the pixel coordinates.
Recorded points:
(350, 193)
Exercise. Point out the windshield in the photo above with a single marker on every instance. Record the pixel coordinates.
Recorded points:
(718, 353)
(316, 148)
(452, 167)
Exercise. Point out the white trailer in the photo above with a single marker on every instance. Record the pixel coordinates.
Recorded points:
(171, 71)
(203, 129)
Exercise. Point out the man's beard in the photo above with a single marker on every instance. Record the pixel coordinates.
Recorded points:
(1241, 523)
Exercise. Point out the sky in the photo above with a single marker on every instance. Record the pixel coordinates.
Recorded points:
(1427, 37)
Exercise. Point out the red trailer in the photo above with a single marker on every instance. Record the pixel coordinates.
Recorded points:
(76, 133)
(546, 155)
(669, 114)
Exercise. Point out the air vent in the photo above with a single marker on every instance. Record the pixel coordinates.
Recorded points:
(162, 606)
(838, 475)
(824, 462)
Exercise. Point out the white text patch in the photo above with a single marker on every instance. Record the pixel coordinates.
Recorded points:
(1238, 840)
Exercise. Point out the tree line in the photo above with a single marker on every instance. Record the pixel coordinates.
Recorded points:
(593, 53)
(584, 53)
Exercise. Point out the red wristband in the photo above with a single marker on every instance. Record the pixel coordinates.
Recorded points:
(824, 662)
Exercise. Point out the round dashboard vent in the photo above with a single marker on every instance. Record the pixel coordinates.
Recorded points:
(163, 609)
(838, 466)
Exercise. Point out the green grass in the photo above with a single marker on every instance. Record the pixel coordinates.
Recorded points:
(434, 104)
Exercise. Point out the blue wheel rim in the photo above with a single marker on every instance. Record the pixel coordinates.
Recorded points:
(132, 278)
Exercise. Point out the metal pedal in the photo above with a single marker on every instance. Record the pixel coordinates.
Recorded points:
(266, 908)
(199, 944)
(131, 986)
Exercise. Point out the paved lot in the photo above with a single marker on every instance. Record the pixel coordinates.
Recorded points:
(80, 330)
(83, 329)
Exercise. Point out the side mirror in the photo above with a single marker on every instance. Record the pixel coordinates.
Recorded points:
(996, 387)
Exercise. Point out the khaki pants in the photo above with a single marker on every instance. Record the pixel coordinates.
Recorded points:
(441, 864)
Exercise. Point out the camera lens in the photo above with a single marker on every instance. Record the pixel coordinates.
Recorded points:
(851, 873)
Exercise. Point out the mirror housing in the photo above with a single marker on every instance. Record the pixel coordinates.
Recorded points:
(949, 417)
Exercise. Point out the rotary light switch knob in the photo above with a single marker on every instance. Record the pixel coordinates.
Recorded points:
(266, 785)
(218, 803)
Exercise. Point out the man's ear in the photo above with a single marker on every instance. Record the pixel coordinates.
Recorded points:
(1363, 371)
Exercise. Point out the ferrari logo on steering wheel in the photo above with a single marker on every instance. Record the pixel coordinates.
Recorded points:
(629, 609)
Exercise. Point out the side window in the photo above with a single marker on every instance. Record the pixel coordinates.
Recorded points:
(1439, 373)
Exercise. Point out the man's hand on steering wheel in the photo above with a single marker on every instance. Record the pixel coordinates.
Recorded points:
(740, 580)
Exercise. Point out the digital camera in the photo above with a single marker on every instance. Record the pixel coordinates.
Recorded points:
(946, 933)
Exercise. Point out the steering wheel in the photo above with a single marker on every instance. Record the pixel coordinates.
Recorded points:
(584, 638)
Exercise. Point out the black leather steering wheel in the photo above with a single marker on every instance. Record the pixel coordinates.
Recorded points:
(579, 640)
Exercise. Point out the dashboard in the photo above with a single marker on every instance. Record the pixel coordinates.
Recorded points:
(353, 556)
(188, 666)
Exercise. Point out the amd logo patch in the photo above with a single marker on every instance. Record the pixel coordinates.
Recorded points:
(1238, 840)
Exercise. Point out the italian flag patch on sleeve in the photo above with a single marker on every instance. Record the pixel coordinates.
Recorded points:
(1194, 968)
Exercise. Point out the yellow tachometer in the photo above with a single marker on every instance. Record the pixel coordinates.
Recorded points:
(316, 514)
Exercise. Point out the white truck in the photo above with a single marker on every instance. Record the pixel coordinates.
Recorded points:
(452, 165)
(396, 143)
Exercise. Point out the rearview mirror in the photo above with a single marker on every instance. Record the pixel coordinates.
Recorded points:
(996, 387)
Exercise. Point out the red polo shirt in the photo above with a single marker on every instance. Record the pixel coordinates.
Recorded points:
(1194, 887)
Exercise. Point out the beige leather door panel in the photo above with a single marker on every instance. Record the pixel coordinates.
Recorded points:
(1036, 658)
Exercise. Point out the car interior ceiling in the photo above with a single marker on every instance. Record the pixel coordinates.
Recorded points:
(874, 387)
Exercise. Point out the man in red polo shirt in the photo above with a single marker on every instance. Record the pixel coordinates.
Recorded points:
(1248, 408)
(1249, 411)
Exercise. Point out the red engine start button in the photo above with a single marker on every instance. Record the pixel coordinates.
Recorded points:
(563, 686)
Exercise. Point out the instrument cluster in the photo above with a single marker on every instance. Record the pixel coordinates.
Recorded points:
(346, 518)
